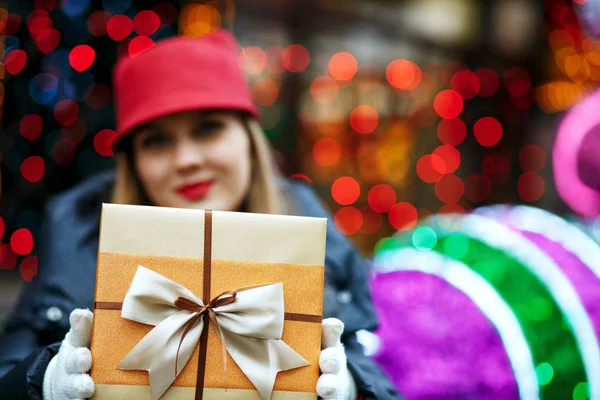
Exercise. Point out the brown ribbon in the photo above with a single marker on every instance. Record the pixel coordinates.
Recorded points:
(207, 311)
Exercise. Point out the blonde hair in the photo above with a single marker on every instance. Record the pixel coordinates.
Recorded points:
(265, 196)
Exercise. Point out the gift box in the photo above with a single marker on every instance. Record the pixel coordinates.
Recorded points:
(175, 287)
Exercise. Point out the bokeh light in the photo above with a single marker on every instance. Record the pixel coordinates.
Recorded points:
(343, 66)
(372, 221)
(15, 61)
(8, 258)
(119, 27)
(43, 88)
(581, 391)
(48, 41)
(517, 81)
(21, 241)
(265, 91)
(324, 89)
(449, 189)
(1, 228)
(146, 22)
(295, 58)
(197, 20)
(166, 11)
(496, 168)
(403, 216)
(254, 60)
(348, 220)
(429, 167)
(103, 141)
(489, 83)
(466, 83)
(66, 112)
(97, 96)
(63, 152)
(274, 62)
(452, 131)
(532, 158)
(97, 22)
(116, 6)
(478, 188)
(487, 131)
(381, 197)
(81, 57)
(424, 238)
(403, 74)
(32, 168)
(448, 104)
(530, 186)
(364, 119)
(326, 152)
(422, 116)
(456, 246)
(31, 126)
(28, 268)
(450, 156)
(139, 45)
(345, 190)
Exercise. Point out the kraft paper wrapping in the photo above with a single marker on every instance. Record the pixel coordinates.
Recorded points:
(247, 249)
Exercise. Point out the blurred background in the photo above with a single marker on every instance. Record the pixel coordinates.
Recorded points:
(391, 110)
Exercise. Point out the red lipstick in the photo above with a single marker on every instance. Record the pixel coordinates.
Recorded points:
(195, 190)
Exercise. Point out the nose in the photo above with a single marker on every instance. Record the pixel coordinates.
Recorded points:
(188, 155)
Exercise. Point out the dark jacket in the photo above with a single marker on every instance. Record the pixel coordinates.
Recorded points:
(66, 280)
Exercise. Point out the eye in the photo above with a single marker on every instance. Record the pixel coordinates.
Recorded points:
(154, 140)
(209, 126)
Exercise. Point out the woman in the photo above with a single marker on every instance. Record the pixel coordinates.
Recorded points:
(188, 137)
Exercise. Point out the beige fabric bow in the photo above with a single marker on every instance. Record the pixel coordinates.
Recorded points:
(252, 326)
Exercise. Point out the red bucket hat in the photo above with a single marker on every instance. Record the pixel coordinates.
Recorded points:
(180, 74)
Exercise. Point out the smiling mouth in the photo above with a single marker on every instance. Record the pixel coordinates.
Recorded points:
(196, 190)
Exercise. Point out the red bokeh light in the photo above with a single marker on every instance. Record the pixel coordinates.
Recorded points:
(451, 209)
(29, 268)
(343, 66)
(372, 221)
(47, 5)
(97, 22)
(254, 60)
(530, 186)
(466, 83)
(49, 41)
(12, 24)
(39, 23)
(489, 82)
(265, 91)
(274, 63)
(15, 61)
(449, 189)
(348, 220)
(103, 142)
(295, 58)
(532, 158)
(119, 27)
(324, 89)
(32, 168)
(381, 198)
(517, 81)
(403, 216)
(345, 190)
(139, 45)
(21, 241)
(403, 74)
(487, 131)
(8, 258)
(75, 132)
(452, 131)
(428, 168)
(64, 151)
(326, 152)
(146, 22)
(31, 126)
(66, 112)
(448, 104)
(97, 96)
(497, 168)
(301, 176)
(1, 227)
(422, 116)
(451, 158)
(364, 119)
(81, 57)
(477, 188)
(166, 11)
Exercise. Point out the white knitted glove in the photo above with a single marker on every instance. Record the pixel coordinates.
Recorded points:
(66, 377)
(335, 381)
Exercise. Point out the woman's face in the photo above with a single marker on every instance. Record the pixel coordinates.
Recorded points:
(194, 160)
